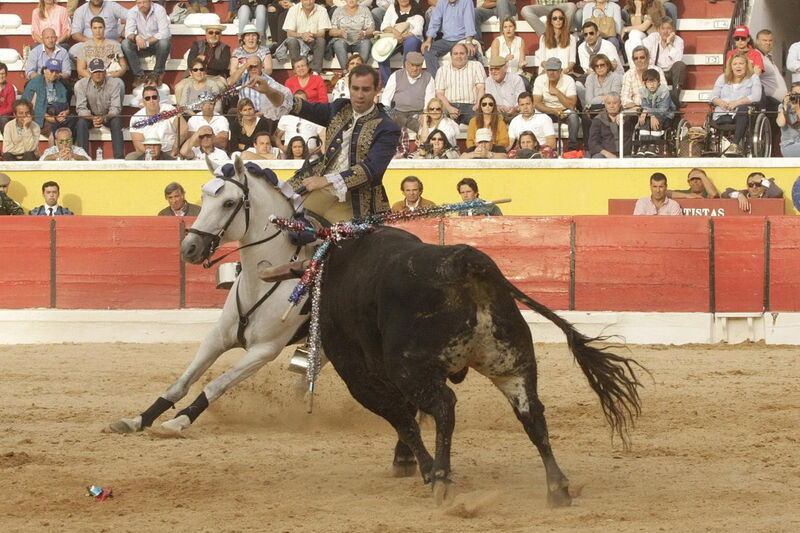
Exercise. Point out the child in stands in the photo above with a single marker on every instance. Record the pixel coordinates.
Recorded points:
(657, 112)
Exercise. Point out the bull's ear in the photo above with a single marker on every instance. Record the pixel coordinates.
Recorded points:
(210, 164)
(238, 166)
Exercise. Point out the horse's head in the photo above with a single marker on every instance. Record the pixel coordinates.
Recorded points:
(235, 208)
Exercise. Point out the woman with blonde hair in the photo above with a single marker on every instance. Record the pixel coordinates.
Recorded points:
(510, 46)
(488, 117)
(434, 118)
(734, 93)
(557, 42)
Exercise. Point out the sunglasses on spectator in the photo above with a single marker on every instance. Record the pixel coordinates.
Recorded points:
(753, 185)
(205, 135)
(487, 104)
(639, 58)
(64, 141)
(253, 66)
(587, 33)
(740, 38)
(213, 32)
(557, 17)
(434, 109)
(151, 97)
(198, 69)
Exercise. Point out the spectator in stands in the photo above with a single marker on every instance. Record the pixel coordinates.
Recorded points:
(50, 192)
(276, 16)
(510, 47)
(247, 126)
(312, 84)
(533, 13)
(98, 46)
(539, 124)
(201, 144)
(252, 69)
(793, 61)
(21, 135)
(435, 119)
(436, 146)
(594, 44)
(50, 15)
(604, 132)
(45, 91)
(151, 79)
(99, 103)
(504, 86)
(296, 149)
(214, 55)
(772, 82)
(352, 28)
(558, 42)
(484, 147)
(7, 205)
(342, 88)
(742, 42)
(164, 130)
(178, 206)
(666, 52)
(788, 121)
(529, 148)
(218, 123)
(657, 113)
(407, 91)
(700, 186)
(758, 186)
(468, 189)
(8, 93)
(658, 203)
(490, 119)
(456, 20)
(262, 149)
(42, 53)
(643, 19)
(608, 17)
(152, 151)
(460, 84)
(502, 9)
(735, 91)
(411, 187)
(291, 126)
(305, 27)
(253, 11)
(669, 10)
(147, 33)
(189, 90)
(111, 12)
(249, 46)
(633, 80)
(405, 21)
(602, 80)
(555, 95)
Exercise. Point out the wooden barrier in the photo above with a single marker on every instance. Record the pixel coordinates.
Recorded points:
(718, 207)
(591, 263)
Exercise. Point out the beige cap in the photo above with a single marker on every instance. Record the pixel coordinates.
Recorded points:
(497, 62)
(483, 135)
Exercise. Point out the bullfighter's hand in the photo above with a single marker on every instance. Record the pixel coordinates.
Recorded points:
(312, 183)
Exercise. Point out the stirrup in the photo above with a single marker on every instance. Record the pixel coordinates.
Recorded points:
(291, 270)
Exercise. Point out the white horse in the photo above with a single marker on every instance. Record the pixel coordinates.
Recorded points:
(235, 208)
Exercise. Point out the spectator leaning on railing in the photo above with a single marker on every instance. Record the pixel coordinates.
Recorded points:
(788, 121)
(700, 186)
(758, 186)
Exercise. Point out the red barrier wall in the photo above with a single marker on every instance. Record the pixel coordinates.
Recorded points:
(621, 263)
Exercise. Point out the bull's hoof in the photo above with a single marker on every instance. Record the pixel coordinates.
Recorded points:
(559, 497)
(404, 468)
(443, 491)
(124, 425)
(172, 429)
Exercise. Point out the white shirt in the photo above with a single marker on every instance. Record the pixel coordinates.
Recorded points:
(539, 124)
(667, 55)
(218, 123)
(292, 126)
(391, 86)
(297, 20)
(793, 61)
(415, 23)
(566, 55)
(541, 87)
(163, 129)
(607, 49)
(217, 156)
(459, 85)
(342, 161)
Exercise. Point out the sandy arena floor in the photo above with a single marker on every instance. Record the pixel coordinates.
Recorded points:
(716, 449)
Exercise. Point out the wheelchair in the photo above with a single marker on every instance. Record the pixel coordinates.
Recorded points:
(667, 145)
(757, 140)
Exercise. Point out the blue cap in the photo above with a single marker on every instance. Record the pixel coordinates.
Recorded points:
(53, 64)
(96, 65)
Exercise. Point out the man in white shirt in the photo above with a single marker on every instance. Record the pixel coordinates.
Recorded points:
(554, 94)
(305, 27)
(460, 85)
(206, 117)
(147, 33)
(666, 53)
(793, 61)
(539, 124)
(201, 144)
(592, 45)
(505, 87)
(290, 126)
(407, 91)
(165, 130)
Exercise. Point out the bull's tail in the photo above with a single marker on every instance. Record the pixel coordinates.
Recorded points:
(611, 376)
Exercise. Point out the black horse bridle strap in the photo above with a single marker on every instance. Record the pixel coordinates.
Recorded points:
(209, 264)
(244, 319)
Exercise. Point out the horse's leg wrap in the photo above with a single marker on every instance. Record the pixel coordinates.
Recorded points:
(155, 410)
(198, 406)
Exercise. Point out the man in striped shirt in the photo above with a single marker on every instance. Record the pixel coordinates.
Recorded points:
(460, 85)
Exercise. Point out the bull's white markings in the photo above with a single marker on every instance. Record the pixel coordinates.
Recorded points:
(212, 186)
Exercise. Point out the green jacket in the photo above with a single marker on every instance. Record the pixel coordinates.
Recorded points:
(9, 206)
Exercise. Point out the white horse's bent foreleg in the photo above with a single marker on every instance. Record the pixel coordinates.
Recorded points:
(210, 349)
(256, 357)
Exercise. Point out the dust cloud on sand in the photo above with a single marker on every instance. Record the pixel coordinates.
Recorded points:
(717, 449)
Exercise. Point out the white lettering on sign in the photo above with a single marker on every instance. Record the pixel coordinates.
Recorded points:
(703, 212)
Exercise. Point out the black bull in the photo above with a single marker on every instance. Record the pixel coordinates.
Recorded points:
(398, 317)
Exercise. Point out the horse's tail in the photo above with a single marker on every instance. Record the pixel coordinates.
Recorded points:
(611, 376)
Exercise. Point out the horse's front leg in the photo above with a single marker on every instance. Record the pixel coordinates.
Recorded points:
(256, 357)
(210, 349)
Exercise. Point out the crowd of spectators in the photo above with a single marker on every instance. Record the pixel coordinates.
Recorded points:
(601, 68)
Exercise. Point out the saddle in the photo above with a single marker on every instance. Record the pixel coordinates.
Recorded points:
(295, 269)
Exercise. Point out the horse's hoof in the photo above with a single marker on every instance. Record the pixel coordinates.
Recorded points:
(125, 425)
(559, 497)
(404, 469)
(443, 491)
(172, 428)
